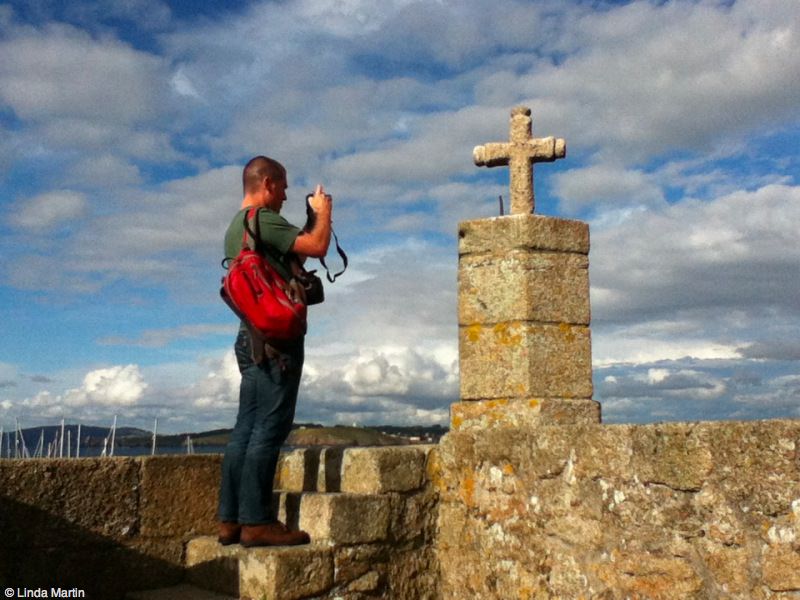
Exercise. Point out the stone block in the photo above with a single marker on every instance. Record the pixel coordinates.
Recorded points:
(345, 518)
(525, 360)
(382, 470)
(369, 582)
(481, 415)
(641, 575)
(178, 494)
(278, 573)
(671, 455)
(537, 232)
(454, 526)
(755, 462)
(414, 574)
(166, 550)
(297, 470)
(522, 285)
(603, 451)
(352, 562)
(92, 496)
(285, 573)
(782, 568)
(729, 567)
(213, 566)
(413, 516)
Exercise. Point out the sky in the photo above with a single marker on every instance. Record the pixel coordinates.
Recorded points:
(124, 125)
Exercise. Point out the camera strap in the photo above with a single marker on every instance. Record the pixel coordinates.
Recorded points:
(333, 277)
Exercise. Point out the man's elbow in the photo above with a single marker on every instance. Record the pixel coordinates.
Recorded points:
(308, 245)
(317, 252)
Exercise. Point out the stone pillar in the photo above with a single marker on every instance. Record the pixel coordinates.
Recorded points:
(523, 312)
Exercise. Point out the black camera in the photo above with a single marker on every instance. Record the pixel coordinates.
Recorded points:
(311, 216)
(311, 219)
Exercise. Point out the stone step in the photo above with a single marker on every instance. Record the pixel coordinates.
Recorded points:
(178, 592)
(339, 518)
(273, 573)
(373, 470)
(335, 517)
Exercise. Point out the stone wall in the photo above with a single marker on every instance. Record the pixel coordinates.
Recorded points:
(104, 525)
(112, 525)
(685, 510)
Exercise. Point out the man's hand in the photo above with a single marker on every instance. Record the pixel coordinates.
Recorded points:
(315, 242)
(320, 201)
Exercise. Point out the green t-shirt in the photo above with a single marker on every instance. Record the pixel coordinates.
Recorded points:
(277, 234)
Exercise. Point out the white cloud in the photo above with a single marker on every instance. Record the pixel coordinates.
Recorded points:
(116, 388)
(219, 389)
(380, 385)
(775, 349)
(606, 184)
(680, 75)
(348, 17)
(187, 217)
(735, 252)
(49, 210)
(99, 171)
(624, 346)
(59, 71)
(113, 386)
(683, 384)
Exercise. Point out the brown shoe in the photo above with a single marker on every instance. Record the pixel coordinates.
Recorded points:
(272, 534)
(229, 533)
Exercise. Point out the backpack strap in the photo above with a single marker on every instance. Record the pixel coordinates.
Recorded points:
(251, 233)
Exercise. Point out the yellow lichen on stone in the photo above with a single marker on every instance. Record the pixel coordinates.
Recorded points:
(284, 473)
(504, 335)
(566, 330)
(456, 421)
(468, 488)
(508, 469)
(533, 403)
(434, 472)
(496, 403)
(474, 333)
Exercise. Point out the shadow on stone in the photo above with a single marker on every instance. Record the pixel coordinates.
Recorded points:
(331, 474)
(220, 574)
(41, 551)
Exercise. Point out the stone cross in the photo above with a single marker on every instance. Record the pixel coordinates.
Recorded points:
(519, 153)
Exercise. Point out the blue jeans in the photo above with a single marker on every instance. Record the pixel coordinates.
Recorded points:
(267, 399)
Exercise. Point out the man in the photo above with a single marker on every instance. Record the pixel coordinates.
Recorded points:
(270, 372)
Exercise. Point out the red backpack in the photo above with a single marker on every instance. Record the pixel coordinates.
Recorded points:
(255, 291)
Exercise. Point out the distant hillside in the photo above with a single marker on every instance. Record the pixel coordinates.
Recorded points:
(343, 436)
(90, 435)
(303, 434)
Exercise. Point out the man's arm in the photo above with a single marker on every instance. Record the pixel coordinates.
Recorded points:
(315, 242)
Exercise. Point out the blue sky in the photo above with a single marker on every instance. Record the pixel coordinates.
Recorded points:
(124, 125)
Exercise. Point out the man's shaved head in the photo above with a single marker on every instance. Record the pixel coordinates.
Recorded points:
(257, 169)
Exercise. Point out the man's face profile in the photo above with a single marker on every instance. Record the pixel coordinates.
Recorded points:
(276, 192)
